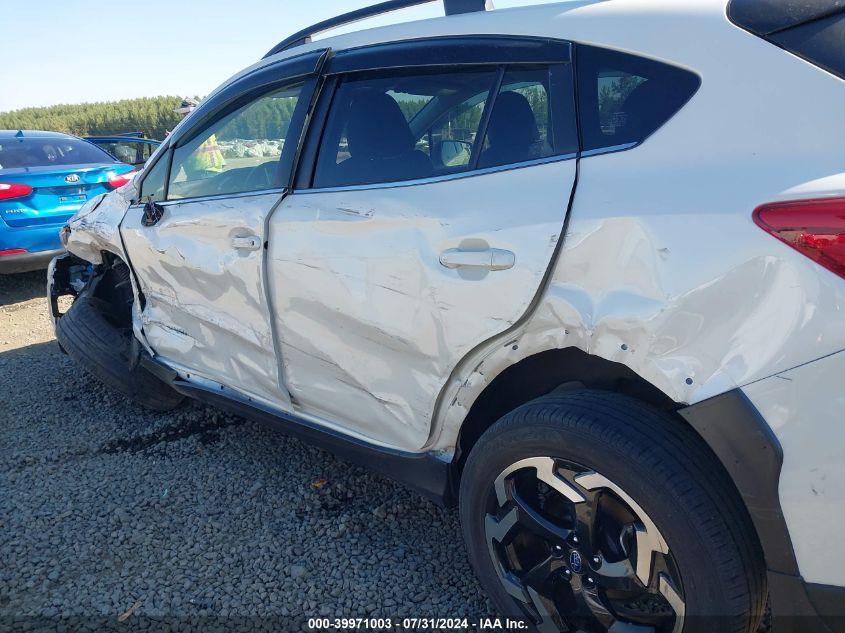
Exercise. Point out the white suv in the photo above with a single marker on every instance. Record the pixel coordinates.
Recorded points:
(578, 267)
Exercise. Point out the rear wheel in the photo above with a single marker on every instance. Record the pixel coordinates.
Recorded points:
(591, 511)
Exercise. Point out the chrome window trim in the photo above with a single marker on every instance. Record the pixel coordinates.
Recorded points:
(609, 149)
(443, 178)
(219, 196)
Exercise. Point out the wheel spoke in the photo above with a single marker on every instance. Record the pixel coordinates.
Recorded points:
(592, 601)
(585, 520)
(536, 523)
(648, 537)
(545, 469)
(674, 600)
(538, 576)
(501, 531)
(618, 575)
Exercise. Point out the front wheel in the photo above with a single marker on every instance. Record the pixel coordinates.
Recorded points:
(593, 512)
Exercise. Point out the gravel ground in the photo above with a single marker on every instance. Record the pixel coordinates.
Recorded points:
(195, 515)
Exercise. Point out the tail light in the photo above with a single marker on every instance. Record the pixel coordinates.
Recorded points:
(13, 251)
(118, 180)
(10, 190)
(815, 228)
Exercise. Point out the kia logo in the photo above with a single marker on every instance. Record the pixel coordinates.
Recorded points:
(72, 178)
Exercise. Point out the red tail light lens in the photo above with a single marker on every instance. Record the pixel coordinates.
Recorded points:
(815, 228)
(118, 180)
(13, 251)
(10, 190)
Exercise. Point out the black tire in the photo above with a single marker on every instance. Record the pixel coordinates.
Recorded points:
(106, 351)
(663, 465)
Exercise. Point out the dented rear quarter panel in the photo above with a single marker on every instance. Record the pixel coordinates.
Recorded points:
(662, 268)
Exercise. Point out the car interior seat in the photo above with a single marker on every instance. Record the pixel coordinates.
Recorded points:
(381, 144)
(512, 132)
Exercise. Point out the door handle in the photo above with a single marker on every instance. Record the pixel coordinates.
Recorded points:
(488, 259)
(248, 243)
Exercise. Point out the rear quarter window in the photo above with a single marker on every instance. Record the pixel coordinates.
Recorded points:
(623, 98)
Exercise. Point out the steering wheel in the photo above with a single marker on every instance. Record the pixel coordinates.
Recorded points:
(262, 176)
(245, 179)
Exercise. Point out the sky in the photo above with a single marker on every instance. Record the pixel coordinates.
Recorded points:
(56, 51)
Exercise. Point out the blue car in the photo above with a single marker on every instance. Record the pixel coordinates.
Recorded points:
(45, 177)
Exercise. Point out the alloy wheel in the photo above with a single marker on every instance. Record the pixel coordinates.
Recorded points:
(577, 553)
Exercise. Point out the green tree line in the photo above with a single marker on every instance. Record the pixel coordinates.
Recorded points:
(267, 118)
(153, 116)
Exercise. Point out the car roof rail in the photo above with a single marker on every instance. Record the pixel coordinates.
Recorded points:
(452, 7)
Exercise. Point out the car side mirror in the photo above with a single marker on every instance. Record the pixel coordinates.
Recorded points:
(152, 213)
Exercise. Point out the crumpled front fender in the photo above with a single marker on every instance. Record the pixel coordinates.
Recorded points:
(95, 228)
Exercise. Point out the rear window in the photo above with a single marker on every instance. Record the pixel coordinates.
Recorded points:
(821, 42)
(45, 152)
(624, 98)
(812, 29)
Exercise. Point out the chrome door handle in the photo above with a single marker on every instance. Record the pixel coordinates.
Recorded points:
(248, 243)
(488, 259)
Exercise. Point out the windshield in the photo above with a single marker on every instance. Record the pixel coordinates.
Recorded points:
(46, 151)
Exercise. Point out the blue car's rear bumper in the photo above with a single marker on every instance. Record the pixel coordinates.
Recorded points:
(25, 262)
(41, 243)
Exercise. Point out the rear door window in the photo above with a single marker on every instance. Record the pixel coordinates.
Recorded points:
(533, 117)
(623, 98)
(403, 126)
(409, 125)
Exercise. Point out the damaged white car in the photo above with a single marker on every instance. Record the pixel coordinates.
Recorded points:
(576, 267)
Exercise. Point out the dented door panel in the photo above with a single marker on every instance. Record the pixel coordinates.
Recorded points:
(370, 322)
(206, 309)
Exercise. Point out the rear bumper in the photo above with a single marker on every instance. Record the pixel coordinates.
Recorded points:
(805, 408)
(781, 440)
(26, 262)
(41, 243)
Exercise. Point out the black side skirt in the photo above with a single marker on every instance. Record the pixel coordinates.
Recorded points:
(421, 472)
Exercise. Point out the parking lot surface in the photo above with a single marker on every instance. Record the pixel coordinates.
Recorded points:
(113, 514)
